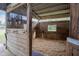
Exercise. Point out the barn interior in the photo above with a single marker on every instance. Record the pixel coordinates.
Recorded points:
(49, 30)
(52, 29)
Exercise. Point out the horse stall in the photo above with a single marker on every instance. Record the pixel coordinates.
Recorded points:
(52, 30)
(51, 41)
(27, 37)
(54, 33)
(41, 29)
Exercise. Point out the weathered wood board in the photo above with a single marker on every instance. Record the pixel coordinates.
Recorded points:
(72, 47)
(18, 42)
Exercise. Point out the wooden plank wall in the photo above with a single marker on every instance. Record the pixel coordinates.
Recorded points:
(72, 48)
(74, 25)
(61, 33)
(18, 42)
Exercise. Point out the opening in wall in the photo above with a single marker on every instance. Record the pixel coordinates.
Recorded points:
(52, 28)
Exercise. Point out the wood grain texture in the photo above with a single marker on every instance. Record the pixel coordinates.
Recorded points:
(74, 28)
(61, 33)
(29, 27)
(18, 42)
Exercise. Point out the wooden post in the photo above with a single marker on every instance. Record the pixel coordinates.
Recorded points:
(73, 30)
(74, 24)
(29, 27)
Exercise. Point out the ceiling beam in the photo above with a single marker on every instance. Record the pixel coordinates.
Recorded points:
(56, 16)
(43, 6)
(58, 7)
(11, 8)
(55, 13)
(33, 13)
(36, 15)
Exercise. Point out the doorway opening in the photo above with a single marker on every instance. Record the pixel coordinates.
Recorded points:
(51, 37)
(51, 32)
(2, 30)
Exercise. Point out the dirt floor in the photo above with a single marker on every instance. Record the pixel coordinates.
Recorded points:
(49, 47)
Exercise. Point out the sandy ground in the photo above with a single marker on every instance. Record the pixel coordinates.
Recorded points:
(49, 47)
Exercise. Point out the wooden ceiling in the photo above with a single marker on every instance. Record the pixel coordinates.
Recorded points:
(42, 10)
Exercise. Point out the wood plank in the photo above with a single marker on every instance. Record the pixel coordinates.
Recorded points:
(55, 16)
(55, 13)
(15, 50)
(55, 8)
(18, 44)
(41, 6)
(74, 19)
(36, 15)
(18, 41)
(14, 7)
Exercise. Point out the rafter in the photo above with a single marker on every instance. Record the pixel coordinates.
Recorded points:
(56, 16)
(33, 13)
(36, 15)
(55, 13)
(11, 8)
(58, 7)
